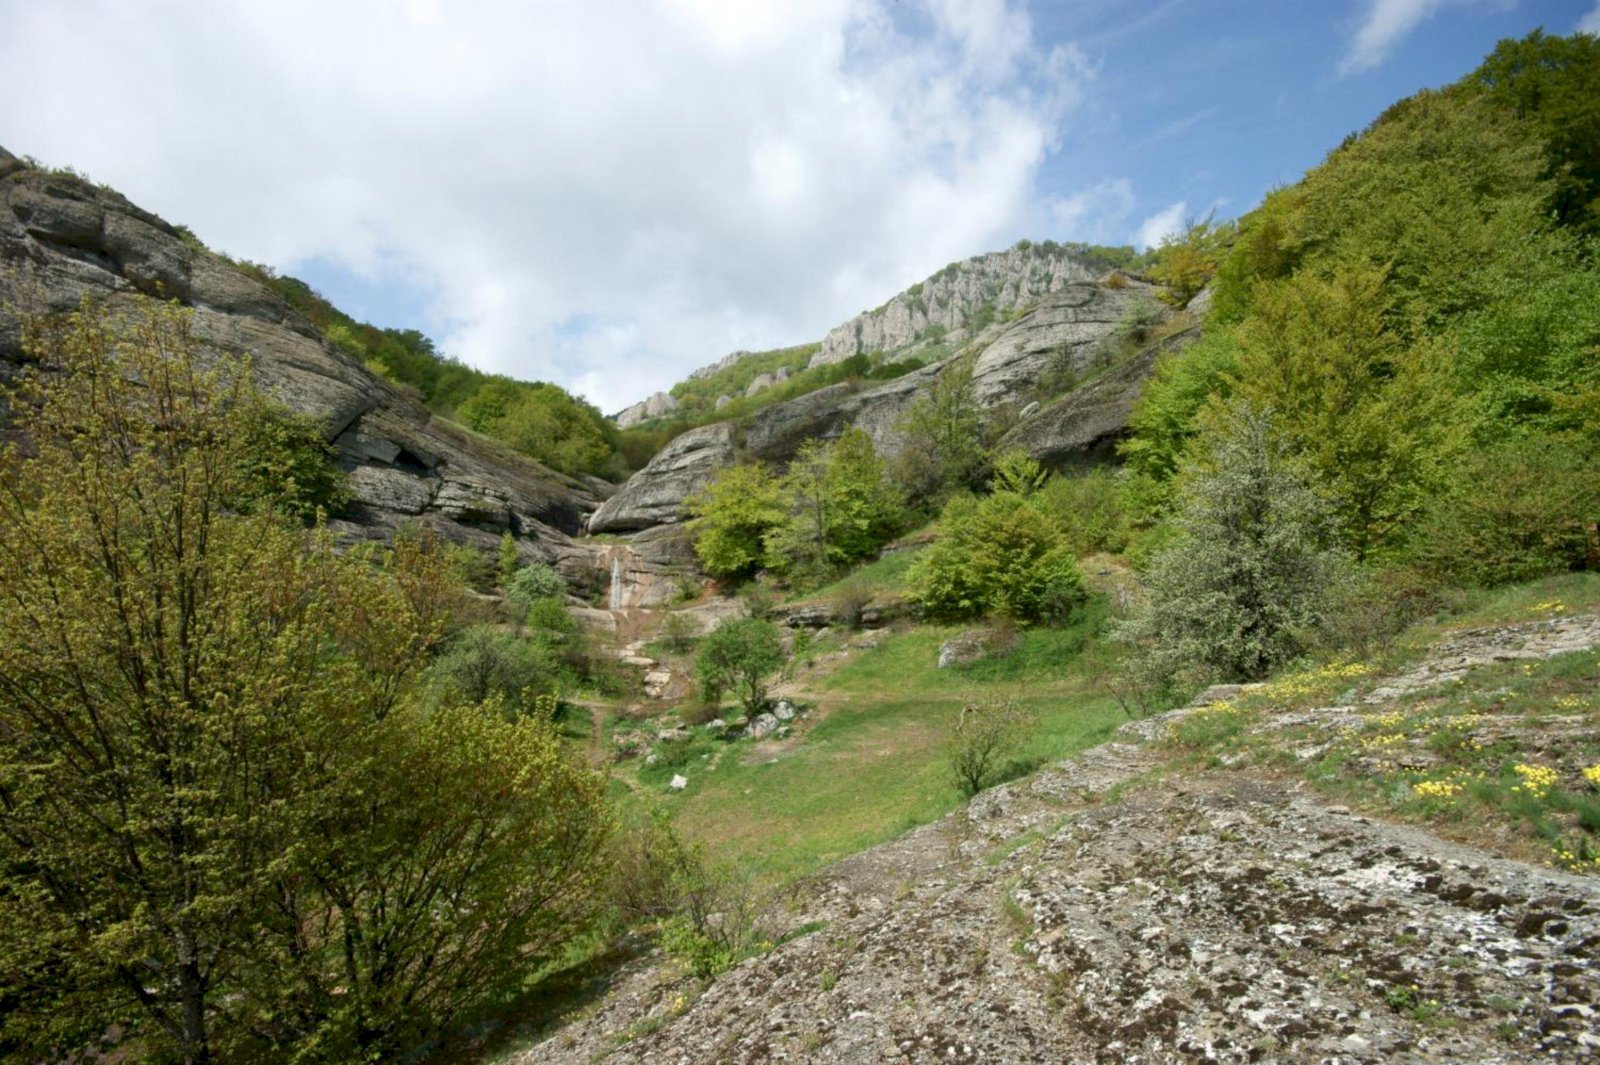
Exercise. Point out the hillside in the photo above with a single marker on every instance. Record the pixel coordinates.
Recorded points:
(63, 239)
(924, 324)
(1187, 892)
(1060, 662)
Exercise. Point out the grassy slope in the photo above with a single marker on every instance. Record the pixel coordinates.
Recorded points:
(1462, 743)
(868, 762)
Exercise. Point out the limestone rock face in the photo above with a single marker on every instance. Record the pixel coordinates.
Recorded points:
(658, 404)
(654, 495)
(1070, 320)
(62, 239)
(1084, 426)
(948, 299)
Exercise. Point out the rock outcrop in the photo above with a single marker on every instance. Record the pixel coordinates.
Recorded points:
(1068, 323)
(654, 407)
(63, 239)
(655, 495)
(1117, 908)
(948, 300)
(1084, 426)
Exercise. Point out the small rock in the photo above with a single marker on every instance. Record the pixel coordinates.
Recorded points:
(784, 710)
(1029, 411)
(678, 782)
(965, 649)
(672, 735)
(716, 724)
(763, 726)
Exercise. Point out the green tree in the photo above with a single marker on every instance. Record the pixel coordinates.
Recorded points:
(1373, 419)
(1001, 554)
(285, 464)
(484, 662)
(1164, 419)
(509, 558)
(1554, 82)
(225, 825)
(843, 507)
(732, 517)
(1253, 574)
(739, 654)
(1514, 510)
(1187, 260)
(945, 447)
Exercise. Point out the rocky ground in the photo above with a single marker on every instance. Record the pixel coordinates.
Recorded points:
(1103, 910)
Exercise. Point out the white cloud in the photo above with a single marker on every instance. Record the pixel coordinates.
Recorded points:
(1163, 223)
(1590, 23)
(606, 201)
(1095, 214)
(1387, 22)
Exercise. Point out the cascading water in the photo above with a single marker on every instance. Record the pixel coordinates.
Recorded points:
(616, 583)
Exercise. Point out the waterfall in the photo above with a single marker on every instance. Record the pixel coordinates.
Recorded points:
(616, 582)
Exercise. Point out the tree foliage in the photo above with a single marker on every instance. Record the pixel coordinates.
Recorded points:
(1372, 419)
(1255, 569)
(227, 826)
(732, 517)
(739, 655)
(945, 446)
(842, 506)
(1001, 554)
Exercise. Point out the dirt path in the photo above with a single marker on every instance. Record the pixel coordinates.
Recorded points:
(1228, 916)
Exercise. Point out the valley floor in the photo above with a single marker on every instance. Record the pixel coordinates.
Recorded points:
(1178, 894)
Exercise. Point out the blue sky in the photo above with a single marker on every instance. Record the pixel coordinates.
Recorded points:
(609, 193)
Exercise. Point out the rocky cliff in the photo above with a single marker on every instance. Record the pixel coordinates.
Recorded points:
(62, 238)
(1069, 322)
(954, 297)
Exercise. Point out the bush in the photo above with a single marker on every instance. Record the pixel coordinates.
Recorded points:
(712, 914)
(1253, 576)
(277, 850)
(532, 583)
(1089, 509)
(286, 465)
(1001, 554)
(1517, 510)
(740, 655)
(484, 663)
(677, 634)
(981, 739)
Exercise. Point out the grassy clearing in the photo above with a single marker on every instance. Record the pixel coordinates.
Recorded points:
(1509, 759)
(886, 576)
(868, 762)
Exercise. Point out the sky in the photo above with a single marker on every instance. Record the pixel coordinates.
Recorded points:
(608, 194)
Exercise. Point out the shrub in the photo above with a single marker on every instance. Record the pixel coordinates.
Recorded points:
(982, 737)
(532, 583)
(1001, 554)
(712, 914)
(483, 662)
(677, 634)
(1253, 575)
(1514, 511)
(1089, 509)
(739, 654)
(286, 465)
